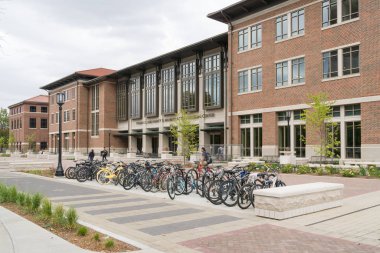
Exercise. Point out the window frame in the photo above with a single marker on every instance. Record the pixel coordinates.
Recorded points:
(189, 80)
(213, 80)
(169, 86)
(151, 92)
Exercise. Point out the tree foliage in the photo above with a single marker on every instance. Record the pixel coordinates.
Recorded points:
(31, 140)
(4, 118)
(185, 133)
(319, 120)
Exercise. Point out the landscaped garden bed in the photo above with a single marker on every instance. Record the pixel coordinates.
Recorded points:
(60, 221)
(43, 172)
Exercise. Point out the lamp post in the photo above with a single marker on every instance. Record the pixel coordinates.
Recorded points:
(109, 142)
(288, 115)
(60, 102)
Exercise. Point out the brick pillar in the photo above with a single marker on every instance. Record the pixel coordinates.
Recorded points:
(270, 135)
(370, 131)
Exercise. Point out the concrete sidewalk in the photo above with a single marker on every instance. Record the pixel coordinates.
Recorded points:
(18, 235)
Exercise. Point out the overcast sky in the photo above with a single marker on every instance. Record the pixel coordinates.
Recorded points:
(44, 40)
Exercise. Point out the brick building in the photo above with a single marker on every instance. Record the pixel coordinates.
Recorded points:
(75, 111)
(130, 111)
(282, 51)
(28, 123)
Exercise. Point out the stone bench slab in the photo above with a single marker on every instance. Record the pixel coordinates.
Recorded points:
(286, 202)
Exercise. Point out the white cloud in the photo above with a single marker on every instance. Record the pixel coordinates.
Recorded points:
(44, 40)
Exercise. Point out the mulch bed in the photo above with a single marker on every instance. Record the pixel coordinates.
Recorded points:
(45, 172)
(85, 242)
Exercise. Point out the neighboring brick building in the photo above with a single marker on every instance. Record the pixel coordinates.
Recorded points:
(131, 110)
(75, 111)
(28, 123)
(281, 51)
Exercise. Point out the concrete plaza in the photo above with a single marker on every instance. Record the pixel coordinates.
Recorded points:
(192, 224)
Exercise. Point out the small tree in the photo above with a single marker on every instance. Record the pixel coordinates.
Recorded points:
(31, 140)
(319, 119)
(4, 119)
(11, 141)
(185, 133)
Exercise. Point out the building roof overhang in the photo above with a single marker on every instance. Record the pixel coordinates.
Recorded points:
(242, 9)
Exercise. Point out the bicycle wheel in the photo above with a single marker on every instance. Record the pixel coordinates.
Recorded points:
(279, 183)
(229, 193)
(180, 185)
(257, 185)
(129, 181)
(213, 192)
(244, 197)
(120, 177)
(163, 182)
(81, 174)
(103, 177)
(146, 181)
(70, 172)
(170, 186)
(191, 180)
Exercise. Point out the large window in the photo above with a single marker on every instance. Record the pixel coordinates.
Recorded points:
(298, 24)
(256, 36)
(189, 86)
(256, 79)
(352, 110)
(135, 98)
(245, 119)
(257, 141)
(332, 67)
(32, 109)
(95, 110)
(330, 64)
(213, 83)
(300, 136)
(282, 74)
(32, 123)
(283, 139)
(44, 123)
(331, 15)
(353, 139)
(298, 70)
(44, 109)
(350, 9)
(243, 81)
(243, 39)
(121, 101)
(150, 94)
(282, 27)
(333, 134)
(245, 142)
(168, 91)
(350, 60)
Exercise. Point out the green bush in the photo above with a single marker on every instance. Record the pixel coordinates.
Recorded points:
(287, 168)
(362, 171)
(46, 209)
(59, 215)
(36, 202)
(82, 231)
(96, 237)
(320, 171)
(72, 217)
(21, 198)
(332, 170)
(303, 169)
(109, 244)
(4, 194)
(13, 194)
(349, 172)
(28, 202)
(373, 171)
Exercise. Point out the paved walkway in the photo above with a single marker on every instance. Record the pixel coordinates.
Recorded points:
(191, 224)
(18, 235)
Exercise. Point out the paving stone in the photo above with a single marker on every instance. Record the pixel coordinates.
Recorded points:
(126, 208)
(47, 187)
(154, 216)
(186, 225)
(105, 203)
(89, 198)
(270, 238)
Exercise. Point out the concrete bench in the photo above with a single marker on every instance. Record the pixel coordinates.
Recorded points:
(290, 201)
(31, 165)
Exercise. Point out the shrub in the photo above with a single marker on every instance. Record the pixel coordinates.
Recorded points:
(303, 169)
(373, 171)
(287, 168)
(320, 171)
(349, 173)
(46, 209)
(332, 170)
(13, 194)
(82, 231)
(4, 194)
(28, 202)
(72, 217)
(21, 198)
(96, 237)
(58, 215)
(36, 202)
(362, 171)
(109, 243)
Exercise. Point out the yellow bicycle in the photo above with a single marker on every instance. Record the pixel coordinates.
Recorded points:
(110, 173)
